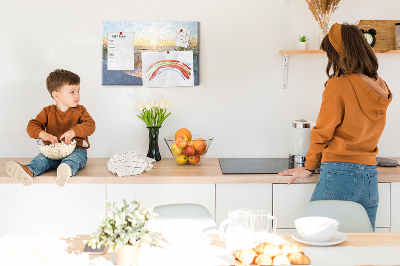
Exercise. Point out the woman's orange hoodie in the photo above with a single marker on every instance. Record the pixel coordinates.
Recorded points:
(350, 122)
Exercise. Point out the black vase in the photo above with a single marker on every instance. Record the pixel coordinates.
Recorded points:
(153, 152)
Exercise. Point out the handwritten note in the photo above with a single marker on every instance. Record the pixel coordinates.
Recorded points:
(182, 38)
(121, 54)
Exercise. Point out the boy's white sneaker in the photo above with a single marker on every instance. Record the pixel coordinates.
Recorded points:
(20, 172)
(64, 172)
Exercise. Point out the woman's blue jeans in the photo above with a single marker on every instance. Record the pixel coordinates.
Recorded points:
(76, 160)
(351, 182)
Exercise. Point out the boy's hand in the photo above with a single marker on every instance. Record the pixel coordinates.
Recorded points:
(67, 136)
(48, 137)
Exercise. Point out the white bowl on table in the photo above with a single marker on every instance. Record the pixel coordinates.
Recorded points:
(316, 229)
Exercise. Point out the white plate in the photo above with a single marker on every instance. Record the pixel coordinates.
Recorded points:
(338, 238)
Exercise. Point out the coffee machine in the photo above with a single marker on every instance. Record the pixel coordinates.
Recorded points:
(299, 142)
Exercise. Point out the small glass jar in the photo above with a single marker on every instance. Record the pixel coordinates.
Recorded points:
(397, 35)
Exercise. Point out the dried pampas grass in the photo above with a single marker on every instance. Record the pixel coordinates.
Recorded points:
(322, 11)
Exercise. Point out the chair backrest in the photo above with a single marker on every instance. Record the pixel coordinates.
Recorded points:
(186, 211)
(351, 215)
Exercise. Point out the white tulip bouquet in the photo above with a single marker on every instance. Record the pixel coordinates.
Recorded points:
(153, 114)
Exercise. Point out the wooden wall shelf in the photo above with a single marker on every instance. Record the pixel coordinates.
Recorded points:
(287, 53)
(322, 52)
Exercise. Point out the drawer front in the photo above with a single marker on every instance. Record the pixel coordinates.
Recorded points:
(231, 197)
(159, 194)
(47, 209)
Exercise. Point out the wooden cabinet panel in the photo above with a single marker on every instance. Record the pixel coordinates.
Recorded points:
(231, 197)
(49, 209)
(159, 194)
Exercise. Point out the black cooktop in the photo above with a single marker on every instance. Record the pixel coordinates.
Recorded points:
(253, 165)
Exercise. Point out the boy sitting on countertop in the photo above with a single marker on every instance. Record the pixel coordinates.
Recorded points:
(65, 120)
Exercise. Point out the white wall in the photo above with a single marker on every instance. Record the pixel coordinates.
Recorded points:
(239, 100)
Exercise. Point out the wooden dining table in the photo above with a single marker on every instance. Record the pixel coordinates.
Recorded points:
(67, 250)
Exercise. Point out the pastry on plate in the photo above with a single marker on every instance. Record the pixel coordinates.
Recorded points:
(290, 248)
(281, 260)
(245, 256)
(268, 249)
(298, 258)
(263, 260)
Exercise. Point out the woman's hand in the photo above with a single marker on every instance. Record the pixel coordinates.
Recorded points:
(296, 173)
(48, 137)
(67, 136)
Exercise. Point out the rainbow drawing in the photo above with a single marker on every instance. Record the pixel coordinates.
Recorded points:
(171, 65)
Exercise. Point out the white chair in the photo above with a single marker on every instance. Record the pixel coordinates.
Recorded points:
(351, 215)
(186, 211)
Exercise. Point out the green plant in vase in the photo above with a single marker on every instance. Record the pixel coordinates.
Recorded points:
(303, 42)
(153, 114)
(125, 228)
(303, 38)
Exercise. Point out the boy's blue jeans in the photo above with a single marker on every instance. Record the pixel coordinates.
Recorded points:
(76, 160)
(351, 182)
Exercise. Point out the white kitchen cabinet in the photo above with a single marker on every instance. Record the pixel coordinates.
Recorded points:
(395, 208)
(159, 194)
(289, 202)
(231, 197)
(383, 213)
(49, 209)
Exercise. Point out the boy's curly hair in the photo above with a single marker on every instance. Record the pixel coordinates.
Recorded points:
(60, 77)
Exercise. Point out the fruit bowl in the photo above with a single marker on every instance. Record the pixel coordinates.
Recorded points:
(189, 152)
(56, 151)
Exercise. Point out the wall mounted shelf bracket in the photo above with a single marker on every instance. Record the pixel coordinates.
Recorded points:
(285, 70)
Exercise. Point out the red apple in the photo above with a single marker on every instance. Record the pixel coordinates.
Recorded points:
(195, 159)
(181, 141)
(201, 152)
(189, 150)
(199, 144)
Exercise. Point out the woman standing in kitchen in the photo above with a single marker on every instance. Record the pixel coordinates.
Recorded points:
(349, 124)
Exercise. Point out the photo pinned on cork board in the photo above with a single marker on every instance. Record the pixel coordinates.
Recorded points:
(122, 57)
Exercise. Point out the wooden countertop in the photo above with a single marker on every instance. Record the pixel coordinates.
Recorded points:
(167, 171)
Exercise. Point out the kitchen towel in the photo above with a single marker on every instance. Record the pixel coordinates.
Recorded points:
(129, 163)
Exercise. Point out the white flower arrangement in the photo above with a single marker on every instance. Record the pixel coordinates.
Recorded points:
(125, 226)
(153, 114)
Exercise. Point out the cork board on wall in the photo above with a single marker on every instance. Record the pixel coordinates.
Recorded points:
(385, 38)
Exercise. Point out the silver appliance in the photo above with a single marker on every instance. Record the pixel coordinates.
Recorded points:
(299, 142)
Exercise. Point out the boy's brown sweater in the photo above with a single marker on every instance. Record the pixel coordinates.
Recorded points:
(350, 122)
(56, 123)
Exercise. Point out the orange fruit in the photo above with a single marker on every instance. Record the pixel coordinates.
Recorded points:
(184, 131)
